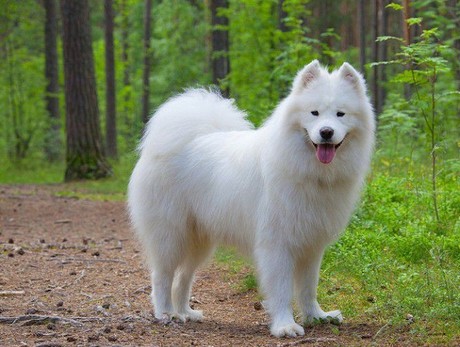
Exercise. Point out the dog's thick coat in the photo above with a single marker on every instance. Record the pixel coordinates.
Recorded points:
(280, 193)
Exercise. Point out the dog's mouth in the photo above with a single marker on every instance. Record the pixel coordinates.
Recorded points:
(325, 152)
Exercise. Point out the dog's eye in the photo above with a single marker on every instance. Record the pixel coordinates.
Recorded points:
(315, 113)
(340, 114)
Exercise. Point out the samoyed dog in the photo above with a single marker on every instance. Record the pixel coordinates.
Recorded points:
(280, 193)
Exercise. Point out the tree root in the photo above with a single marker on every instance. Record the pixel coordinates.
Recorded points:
(33, 319)
(27, 320)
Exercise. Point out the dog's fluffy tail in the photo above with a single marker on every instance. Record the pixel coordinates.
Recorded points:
(189, 115)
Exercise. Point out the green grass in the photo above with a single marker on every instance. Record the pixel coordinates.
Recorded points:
(235, 265)
(111, 188)
(396, 260)
(35, 172)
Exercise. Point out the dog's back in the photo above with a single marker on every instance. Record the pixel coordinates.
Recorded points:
(184, 117)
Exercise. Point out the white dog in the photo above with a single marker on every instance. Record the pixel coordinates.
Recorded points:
(280, 193)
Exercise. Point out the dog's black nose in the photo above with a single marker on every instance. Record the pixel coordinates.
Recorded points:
(326, 133)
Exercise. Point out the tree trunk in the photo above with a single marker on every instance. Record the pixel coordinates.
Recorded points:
(345, 27)
(326, 11)
(110, 117)
(362, 36)
(405, 16)
(455, 17)
(220, 44)
(208, 37)
(124, 52)
(379, 54)
(407, 40)
(146, 75)
(281, 16)
(52, 137)
(383, 56)
(84, 158)
(130, 124)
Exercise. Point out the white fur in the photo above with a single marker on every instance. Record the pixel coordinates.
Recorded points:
(206, 177)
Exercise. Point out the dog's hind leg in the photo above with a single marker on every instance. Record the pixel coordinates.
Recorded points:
(164, 253)
(162, 278)
(183, 281)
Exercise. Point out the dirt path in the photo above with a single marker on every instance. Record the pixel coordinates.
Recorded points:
(72, 275)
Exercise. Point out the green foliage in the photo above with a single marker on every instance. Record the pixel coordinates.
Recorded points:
(264, 58)
(178, 54)
(252, 57)
(425, 68)
(249, 282)
(395, 6)
(402, 260)
(21, 83)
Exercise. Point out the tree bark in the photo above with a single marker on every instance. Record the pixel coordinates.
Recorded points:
(379, 54)
(146, 74)
(383, 56)
(454, 16)
(124, 50)
(208, 37)
(85, 157)
(281, 16)
(362, 36)
(52, 137)
(110, 118)
(405, 16)
(220, 44)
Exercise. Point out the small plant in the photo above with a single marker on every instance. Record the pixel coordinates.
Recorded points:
(423, 63)
(249, 282)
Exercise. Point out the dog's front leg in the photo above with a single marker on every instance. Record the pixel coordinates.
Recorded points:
(306, 282)
(275, 267)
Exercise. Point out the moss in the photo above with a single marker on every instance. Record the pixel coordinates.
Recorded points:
(87, 167)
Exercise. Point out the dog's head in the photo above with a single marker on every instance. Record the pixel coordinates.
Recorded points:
(331, 108)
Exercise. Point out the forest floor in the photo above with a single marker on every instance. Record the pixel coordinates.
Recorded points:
(72, 275)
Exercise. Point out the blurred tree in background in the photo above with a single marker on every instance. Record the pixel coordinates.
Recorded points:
(110, 112)
(52, 137)
(84, 154)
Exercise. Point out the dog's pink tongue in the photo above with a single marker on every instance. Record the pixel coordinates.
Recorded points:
(325, 152)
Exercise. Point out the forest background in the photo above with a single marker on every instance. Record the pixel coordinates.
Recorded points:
(401, 251)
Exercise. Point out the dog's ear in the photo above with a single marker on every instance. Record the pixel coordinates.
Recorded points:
(305, 76)
(348, 73)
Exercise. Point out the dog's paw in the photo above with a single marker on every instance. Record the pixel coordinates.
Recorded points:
(190, 315)
(332, 317)
(171, 317)
(164, 318)
(288, 330)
